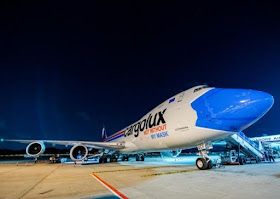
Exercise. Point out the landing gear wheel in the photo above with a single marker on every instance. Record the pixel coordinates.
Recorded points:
(241, 161)
(113, 159)
(210, 164)
(201, 163)
(137, 158)
(125, 158)
(105, 160)
(142, 158)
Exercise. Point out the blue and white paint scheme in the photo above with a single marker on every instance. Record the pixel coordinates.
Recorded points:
(192, 118)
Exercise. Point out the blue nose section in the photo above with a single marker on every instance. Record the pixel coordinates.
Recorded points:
(231, 109)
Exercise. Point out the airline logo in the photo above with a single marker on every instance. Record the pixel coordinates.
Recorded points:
(147, 123)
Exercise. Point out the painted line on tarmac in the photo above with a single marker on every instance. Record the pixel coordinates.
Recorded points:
(169, 172)
(39, 182)
(139, 169)
(112, 189)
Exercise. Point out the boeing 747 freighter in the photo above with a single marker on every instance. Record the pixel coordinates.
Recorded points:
(193, 118)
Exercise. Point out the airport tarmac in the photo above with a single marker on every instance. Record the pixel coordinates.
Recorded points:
(149, 179)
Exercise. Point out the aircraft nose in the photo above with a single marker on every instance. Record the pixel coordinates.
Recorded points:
(231, 109)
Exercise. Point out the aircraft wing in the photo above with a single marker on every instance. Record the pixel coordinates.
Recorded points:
(97, 145)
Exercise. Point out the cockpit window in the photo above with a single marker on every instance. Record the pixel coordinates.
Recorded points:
(199, 88)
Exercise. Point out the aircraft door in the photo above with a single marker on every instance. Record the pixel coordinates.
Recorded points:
(180, 97)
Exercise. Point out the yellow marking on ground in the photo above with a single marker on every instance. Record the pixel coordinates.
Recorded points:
(169, 172)
(137, 169)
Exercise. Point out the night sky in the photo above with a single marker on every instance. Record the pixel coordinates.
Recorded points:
(69, 68)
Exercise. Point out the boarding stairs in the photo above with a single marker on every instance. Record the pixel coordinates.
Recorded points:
(246, 146)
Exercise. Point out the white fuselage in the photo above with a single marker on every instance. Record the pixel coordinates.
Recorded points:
(169, 126)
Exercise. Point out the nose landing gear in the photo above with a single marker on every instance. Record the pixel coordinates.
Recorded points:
(204, 162)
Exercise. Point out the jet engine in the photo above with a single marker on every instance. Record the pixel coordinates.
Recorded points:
(78, 152)
(171, 154)
(35, 149)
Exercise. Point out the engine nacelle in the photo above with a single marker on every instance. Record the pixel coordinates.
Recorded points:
(171, 154)
(78, 152)
(35, 149)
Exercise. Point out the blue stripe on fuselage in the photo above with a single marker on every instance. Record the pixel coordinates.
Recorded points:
(121, 135)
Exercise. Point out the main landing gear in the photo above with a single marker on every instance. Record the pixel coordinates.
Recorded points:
(107, 157)
(140, 157)
(103, 159)
(114, 158)
(125, 158)
(204, 162)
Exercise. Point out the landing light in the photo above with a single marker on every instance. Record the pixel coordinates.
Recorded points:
(2, 140)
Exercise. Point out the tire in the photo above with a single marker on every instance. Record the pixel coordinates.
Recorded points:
(201, 164)
(123, 158)
(210, 164)
(241, 161)
(142, 158)
(137, 158)
(105, 160)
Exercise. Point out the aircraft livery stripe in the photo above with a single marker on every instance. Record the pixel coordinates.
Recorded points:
(112, 189)
(114, 135)
(115, 138)
(112, 138)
